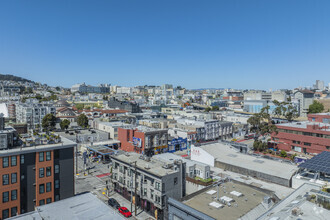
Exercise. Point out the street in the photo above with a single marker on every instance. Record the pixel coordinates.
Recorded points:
(96, 181)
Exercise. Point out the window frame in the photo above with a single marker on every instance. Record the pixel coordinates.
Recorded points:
(41, 188)
(43, 172)
(13, 177)
(41, 158)
(3, 197)
(3, 179)
(11, 195)
(13, 159)
(48, 155)
(5, 160)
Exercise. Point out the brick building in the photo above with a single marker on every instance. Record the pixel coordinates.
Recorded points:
(143, 140)
(35, 175)
(311, 136)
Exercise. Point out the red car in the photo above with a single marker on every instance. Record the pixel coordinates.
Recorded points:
(125, 212)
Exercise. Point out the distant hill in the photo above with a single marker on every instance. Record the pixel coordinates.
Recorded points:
(13, 78)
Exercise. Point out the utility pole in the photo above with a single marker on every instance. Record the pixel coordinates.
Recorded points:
(77, 154)
(135, 187)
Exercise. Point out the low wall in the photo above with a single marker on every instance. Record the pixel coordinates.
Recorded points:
(255, 174)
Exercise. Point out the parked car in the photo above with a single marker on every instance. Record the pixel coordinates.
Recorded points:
(125, 212)
(112, 202)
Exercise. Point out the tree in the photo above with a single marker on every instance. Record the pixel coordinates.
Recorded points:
(262, 123)
(316, 107)
(285, 109)
(49, 122)
(283, 153)
(215, 108)
(82, 121)
(207, 109)
(65, 124)
(80, 106)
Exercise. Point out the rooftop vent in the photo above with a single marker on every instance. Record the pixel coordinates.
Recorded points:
(147, 167)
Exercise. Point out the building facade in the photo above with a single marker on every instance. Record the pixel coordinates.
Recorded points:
(304, 137)
(34, 176)
(32, 114)
(143, 140)
(153, 181)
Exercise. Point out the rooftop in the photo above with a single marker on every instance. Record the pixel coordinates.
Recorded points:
(65, 143)
(152, 166)
(168, 157)
(85, 206)
(303, 125)
(230, 155)
(297, 199)
(206, 202)
(319, 163)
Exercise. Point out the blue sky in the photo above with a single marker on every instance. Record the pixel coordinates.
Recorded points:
(196, 44)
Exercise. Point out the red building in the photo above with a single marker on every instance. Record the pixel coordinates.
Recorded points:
(311, 136)
(143, 140)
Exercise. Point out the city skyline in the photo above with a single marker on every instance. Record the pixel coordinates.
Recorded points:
(222, 44)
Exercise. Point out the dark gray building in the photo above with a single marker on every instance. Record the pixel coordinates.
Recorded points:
(125, 105)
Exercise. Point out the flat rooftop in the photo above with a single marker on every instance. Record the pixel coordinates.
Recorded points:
(229, 155)
(155, 166)
(303, 125)
(238, 208)
(65, 143)
(297, 199)
(169, 157)
(85, 206)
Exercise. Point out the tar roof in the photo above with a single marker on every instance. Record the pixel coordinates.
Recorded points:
(241, 205)
(153, 166)
(85, 206)
(319, 163)
(226, 154)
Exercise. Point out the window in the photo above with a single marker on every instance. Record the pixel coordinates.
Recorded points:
(48, 155)
(5, 162)
(57, 197)
(145, 191)
(22, 159)
(41, 172)
(158, 185)
(14, 178)
(48, 187)
(57, 169)
(48, 171)
(13, 211)
(41, 188)
(13, 195)
(42, 202)
(49, 200)
(307, 144)
(5, 197)
(41, 156)
(175, 180)
(57, 184)
(13, 161)
(5, 213)
(5, 179)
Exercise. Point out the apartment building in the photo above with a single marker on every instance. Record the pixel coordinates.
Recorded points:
(32, 114)
(304, 137)
(83, 88)
(152, 180)
(124, 105)
(110, 127)
(35, 175)
(305, 99)
(143, 140)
